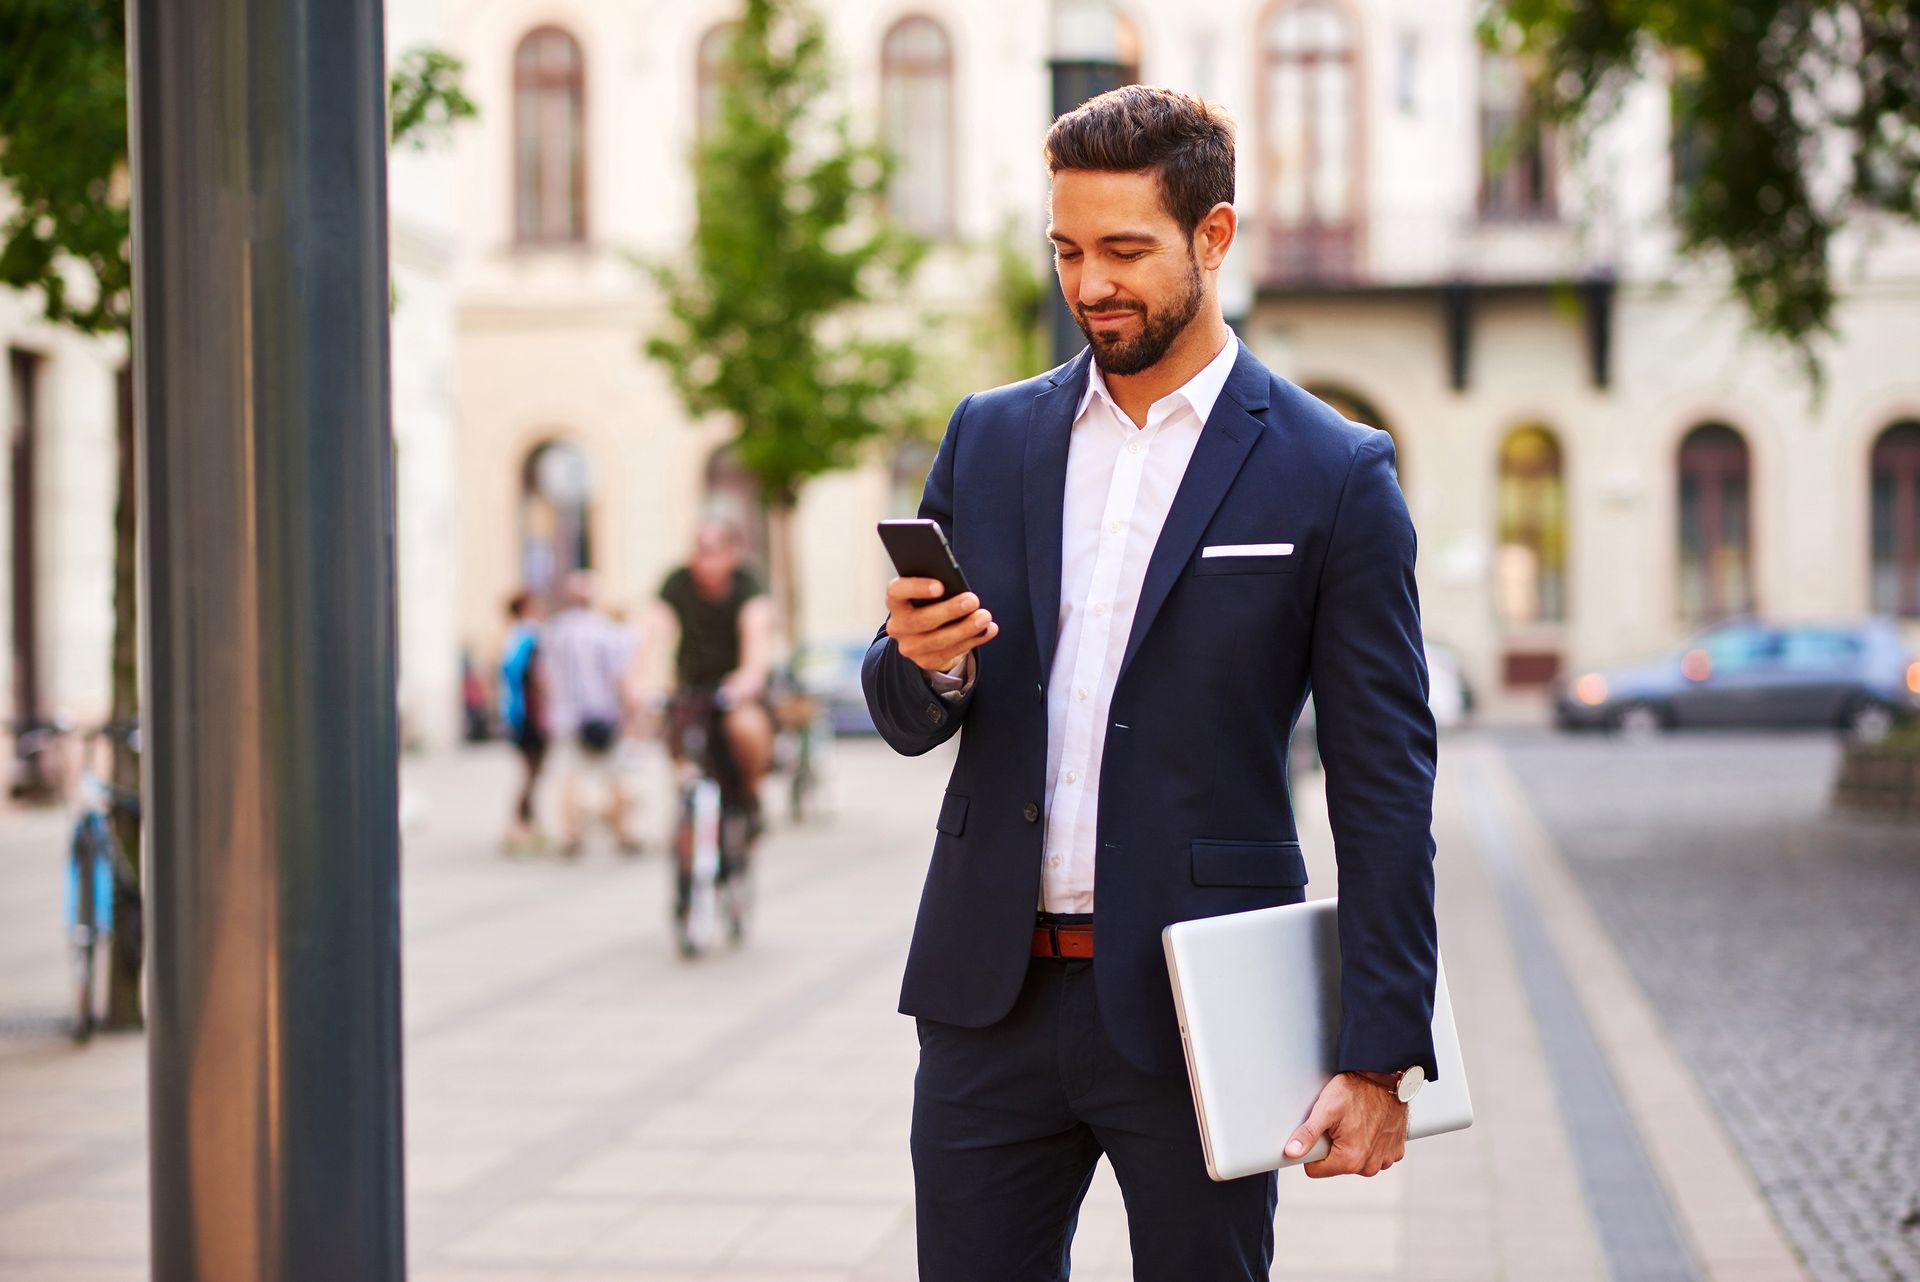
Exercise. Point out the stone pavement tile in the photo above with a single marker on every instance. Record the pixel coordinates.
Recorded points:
(448, 1166)
(542, 1232)
(813, 1234)
(78, 1228)
(22, 1157)
(634, 1169)
(875, 1171)
(680, 1233)
(1323, 1242)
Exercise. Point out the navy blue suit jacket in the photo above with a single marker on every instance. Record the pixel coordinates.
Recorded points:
(1194, 814)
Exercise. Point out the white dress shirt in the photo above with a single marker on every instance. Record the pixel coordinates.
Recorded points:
(1121, 480)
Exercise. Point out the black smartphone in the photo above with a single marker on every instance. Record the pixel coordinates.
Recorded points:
(920, 550)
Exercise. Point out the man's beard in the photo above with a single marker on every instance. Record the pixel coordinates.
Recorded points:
(1123, 356)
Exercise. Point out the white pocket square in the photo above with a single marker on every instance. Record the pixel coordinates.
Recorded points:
(1247, 549)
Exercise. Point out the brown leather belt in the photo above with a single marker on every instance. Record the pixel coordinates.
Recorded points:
(1063, 940)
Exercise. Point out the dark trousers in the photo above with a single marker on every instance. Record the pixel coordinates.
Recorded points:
(1009, 1122)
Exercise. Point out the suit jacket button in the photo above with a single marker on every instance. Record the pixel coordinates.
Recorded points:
(1032, 812)
(934, 714)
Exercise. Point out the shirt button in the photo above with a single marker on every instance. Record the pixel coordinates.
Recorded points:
(1081, 694)
(1133, 447)
(1117, 526)
(1053, 862)
(1099, 611)
(1032, 813)
(1073, 776)
(934, 714)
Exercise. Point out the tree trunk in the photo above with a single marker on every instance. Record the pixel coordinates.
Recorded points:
(784, 570)
(123, 975)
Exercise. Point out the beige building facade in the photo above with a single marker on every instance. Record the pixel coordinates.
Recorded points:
(63, 397)
(1525, 329)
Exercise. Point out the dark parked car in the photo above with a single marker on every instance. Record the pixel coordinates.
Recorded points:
(1859, 677)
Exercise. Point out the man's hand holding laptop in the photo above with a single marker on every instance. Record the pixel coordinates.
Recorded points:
(1364, 1121)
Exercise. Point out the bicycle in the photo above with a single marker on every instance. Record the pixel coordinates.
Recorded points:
(714, 831)
(100, 880)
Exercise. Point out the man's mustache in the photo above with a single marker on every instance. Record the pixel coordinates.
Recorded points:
(1113, 309)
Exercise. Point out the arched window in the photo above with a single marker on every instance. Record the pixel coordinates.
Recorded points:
(549, 131)
(1516, 172)
(710, 76)
(916, 90)
(555, 486)
(1310, 149)
(1716, 577)
(1896, 519)
(1530, 560)
(733, 496)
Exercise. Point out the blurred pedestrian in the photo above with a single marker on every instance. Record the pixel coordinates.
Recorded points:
(523, 713)
(585, 661)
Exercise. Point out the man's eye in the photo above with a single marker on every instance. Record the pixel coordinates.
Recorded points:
(1129, 257)
(1066, 257)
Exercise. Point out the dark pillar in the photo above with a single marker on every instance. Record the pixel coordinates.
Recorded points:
(1075, 81)
(259, 138)
(1596, 298)
(1456, 303)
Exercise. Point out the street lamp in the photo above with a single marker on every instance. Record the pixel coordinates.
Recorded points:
(1086, 62)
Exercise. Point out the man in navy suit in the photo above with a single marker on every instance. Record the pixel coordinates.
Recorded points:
(1168, 546)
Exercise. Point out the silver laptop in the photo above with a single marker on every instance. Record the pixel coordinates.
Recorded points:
(1258, 995)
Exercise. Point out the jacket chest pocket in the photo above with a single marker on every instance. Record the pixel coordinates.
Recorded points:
(1247, 558)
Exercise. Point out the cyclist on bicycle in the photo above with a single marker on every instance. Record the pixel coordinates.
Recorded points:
(724, 624)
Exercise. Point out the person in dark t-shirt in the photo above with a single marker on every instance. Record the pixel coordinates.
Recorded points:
(725, 623)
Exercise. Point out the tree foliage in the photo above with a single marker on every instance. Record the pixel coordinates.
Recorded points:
(1768, 95)
(761, 313)
(63, 152)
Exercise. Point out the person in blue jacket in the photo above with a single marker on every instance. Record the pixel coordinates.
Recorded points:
(1168, 545)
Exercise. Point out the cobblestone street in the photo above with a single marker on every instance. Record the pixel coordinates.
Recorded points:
(1780, 946)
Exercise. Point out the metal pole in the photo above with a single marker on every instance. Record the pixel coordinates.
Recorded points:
(259, 134)
(1074, 81)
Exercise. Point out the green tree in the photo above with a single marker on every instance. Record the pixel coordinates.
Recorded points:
(1762, 90)
(762, 315)
(63, 161)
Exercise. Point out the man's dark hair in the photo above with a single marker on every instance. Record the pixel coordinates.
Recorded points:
(519, 603)
(1185, 141)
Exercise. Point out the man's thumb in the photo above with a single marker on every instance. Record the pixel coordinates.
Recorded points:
(1309, 1133)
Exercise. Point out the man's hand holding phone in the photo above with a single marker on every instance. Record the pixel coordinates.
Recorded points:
(937, 635)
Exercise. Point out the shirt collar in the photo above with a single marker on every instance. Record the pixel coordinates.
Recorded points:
(1200, 391)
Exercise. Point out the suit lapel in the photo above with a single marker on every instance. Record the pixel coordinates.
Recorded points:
(1232, 428)
(1044, 491)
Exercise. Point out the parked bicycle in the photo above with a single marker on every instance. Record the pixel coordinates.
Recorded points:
(714, 830)
(100, 879)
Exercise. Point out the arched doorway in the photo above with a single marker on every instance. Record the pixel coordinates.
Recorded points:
(556, 485)
(1895, 487)
(1530, 554)
(1716, 535)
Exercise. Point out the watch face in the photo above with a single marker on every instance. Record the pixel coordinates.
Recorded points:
(1410, 1083)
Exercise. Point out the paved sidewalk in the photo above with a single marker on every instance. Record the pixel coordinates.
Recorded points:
(583, 1106)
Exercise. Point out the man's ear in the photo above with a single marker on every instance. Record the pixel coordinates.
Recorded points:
(1214, 236)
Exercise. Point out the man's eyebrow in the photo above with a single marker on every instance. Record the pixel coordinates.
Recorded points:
(1116, 238)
